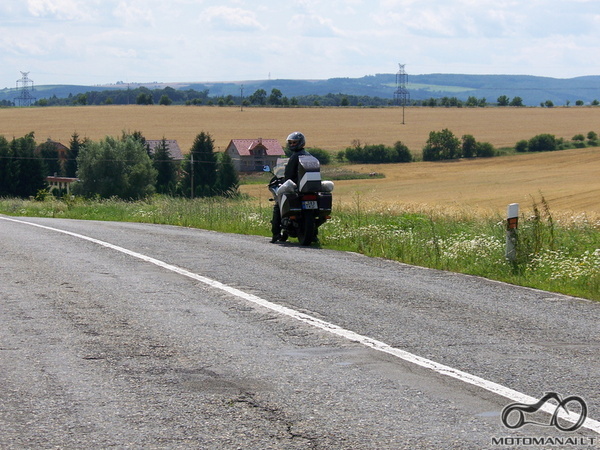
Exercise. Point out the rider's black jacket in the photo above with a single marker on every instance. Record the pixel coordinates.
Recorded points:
(291, 169)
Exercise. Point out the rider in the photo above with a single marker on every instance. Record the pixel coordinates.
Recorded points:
(295, 142)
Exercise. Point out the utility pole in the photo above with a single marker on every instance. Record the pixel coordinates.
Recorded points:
(192, 172)
(242, 98)
(26, 86)
(401, 94)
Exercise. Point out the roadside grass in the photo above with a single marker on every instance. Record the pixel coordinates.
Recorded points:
(555, 253)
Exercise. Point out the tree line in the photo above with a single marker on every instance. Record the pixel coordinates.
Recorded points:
(445, 145)
(123, 167)
(274, 98)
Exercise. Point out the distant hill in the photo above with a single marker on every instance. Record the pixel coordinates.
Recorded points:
(532, 90)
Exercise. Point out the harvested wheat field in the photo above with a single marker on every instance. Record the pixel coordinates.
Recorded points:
(328, 128)
(568, 180)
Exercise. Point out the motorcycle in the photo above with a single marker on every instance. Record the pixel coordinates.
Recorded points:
(304, 207)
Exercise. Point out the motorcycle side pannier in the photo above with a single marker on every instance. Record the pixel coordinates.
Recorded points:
(309, 174)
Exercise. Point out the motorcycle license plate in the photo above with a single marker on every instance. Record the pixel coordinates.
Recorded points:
(310, 204)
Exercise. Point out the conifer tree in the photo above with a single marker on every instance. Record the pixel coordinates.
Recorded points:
(200, 168)
(227, 177)
(166, 168)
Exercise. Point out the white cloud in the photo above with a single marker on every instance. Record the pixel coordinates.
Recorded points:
(232, 19)
(134, 13)
(96, 41)
(312, 25)
(60, 9)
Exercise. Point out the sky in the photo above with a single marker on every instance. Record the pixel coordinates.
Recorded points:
(97, 42)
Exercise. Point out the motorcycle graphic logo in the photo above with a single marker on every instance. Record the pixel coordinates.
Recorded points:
(569, 414)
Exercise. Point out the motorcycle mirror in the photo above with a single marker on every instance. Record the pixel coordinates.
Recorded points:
(266, 169)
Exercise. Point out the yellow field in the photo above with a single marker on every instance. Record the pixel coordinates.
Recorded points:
(569, 180)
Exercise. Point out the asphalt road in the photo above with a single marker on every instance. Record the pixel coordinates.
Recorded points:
(181, 338)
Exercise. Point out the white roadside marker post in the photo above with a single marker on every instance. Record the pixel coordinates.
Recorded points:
(512, 222)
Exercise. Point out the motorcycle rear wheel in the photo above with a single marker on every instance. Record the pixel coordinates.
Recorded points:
(306, 233)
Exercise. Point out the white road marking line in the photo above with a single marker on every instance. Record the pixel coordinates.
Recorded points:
(442, 369)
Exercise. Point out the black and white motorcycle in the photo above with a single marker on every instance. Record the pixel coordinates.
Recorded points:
(303, 207)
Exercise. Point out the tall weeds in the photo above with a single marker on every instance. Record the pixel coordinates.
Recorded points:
(556, 254)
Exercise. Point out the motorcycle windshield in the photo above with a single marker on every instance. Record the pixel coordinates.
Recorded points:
(279, 169)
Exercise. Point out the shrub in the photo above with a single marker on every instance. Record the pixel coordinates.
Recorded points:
(522, 146)
(485, 150)
(403, 153)
(542, 143)
(322, 155)
(378, 154)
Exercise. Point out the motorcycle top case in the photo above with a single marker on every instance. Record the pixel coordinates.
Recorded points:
(309, 174)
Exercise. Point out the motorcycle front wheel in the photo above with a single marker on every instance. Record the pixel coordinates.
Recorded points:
(307, 230)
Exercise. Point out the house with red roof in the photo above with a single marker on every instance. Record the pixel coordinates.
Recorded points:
(251, 155)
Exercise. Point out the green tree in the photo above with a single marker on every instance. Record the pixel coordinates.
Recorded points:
(472, 101)
(228, 181)
(485, 150)
(503, 100)
(441, 145)
(275, 97)
(578, 141)
(71, 163)
(516, 101)
(7, 169)
(137, 136)
(522, 146)
(116, 168)
(259, 97)
(542, 143)
(579, 103)
(200, 168)
(165, 100)
(403, 153)
(166, 169)
(49, 154)
(81, 99)
(145, 98)
(23, 168)
(469, 146)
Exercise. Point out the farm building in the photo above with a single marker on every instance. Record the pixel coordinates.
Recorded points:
(251, 155)
(60, 183)
(172, 146)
